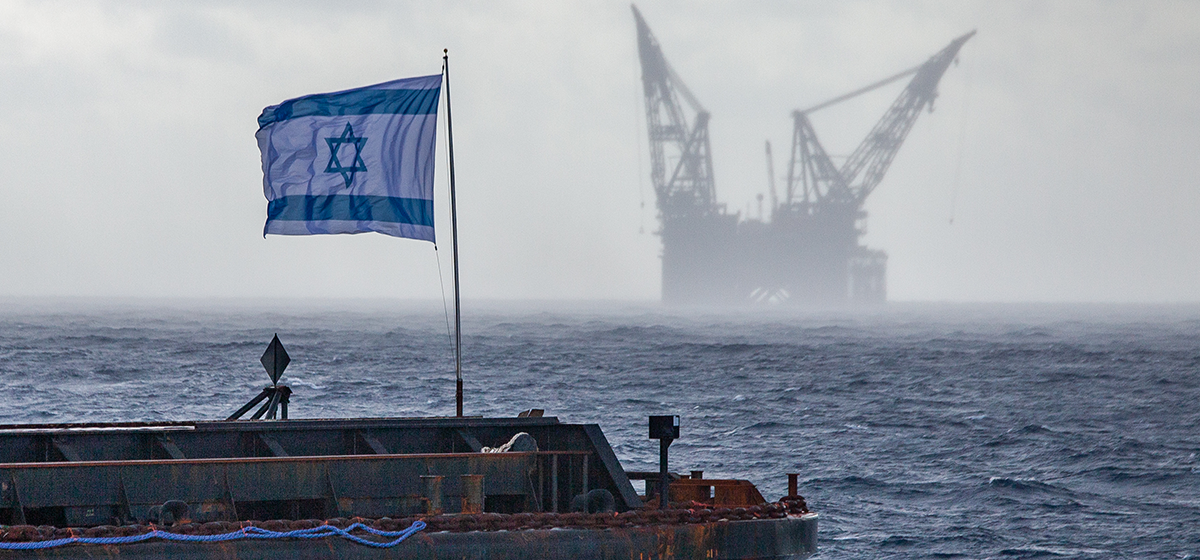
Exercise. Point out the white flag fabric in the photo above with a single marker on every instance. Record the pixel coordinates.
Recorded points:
(352, 161)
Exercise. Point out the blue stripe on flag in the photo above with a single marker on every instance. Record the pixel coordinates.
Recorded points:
(354, 102)
(304, 208)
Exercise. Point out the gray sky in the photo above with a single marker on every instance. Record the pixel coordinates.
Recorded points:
(1065, 146)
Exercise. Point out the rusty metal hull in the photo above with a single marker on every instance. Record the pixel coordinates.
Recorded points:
(86, 475)
(791, 538)
(207, 478)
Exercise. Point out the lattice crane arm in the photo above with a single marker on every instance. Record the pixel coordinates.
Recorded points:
(811, 171)
(865, 168)
(684, 185)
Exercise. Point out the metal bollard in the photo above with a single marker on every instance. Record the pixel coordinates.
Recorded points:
(793, 489)
(472, 498)
(433, 493)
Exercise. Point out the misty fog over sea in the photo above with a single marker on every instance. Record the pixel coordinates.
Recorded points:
(919, 430)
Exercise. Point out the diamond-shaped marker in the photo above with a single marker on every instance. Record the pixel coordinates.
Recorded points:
(275, 360)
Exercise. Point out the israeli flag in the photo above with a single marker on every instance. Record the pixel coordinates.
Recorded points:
(352, 161)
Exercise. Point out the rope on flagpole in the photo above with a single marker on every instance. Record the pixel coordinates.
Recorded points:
(445, 309)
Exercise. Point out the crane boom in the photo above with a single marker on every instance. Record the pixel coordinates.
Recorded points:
(864, 169)
(687, 188)
(811, 169)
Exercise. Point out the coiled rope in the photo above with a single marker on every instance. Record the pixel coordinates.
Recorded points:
(244, 533)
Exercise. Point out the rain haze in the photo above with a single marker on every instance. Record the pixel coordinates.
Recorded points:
(1059, 163)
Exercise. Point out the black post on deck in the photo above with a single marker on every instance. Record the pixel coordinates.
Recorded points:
(664, 482)
(665, 429)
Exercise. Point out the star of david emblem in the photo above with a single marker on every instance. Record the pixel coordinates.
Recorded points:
(335, 165)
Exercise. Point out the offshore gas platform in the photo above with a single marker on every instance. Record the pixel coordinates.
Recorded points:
(810, 249)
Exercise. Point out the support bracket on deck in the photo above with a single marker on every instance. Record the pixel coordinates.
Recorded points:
(471, 441)
(164, 441)
(68, 451)
(276, 449)
(13, 497)
(376, 446)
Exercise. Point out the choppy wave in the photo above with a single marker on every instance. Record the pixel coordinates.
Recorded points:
(919, 432)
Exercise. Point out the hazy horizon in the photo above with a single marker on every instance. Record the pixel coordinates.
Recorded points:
(480, 308)
(1058, 166)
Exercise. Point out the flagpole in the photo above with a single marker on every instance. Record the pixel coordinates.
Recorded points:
(458, 379)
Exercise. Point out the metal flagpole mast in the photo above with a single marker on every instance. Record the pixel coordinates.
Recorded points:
(458, 380)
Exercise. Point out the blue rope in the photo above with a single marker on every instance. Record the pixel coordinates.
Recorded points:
(244, 533)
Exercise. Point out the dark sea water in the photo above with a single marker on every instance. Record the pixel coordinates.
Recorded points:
(921, 431)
